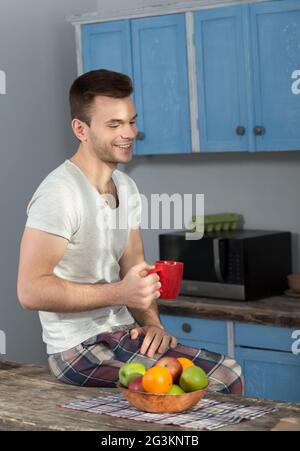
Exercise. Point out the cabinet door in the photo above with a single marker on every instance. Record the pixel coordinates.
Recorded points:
(198, 333)
(223, 78)
(161, 84)
(270, 374)
(263, 337)
(275, 31)
(107, 46)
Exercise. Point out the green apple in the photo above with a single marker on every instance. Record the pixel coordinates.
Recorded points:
(193, 378)
(175, 390)
(130, 371)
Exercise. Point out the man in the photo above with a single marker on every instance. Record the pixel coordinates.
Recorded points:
(83, 272)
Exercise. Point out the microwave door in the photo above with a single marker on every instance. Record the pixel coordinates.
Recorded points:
(219, 258)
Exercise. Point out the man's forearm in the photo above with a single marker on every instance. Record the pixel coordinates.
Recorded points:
(53, 294)
(149, 317)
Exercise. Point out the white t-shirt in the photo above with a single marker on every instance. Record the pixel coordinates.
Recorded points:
(68, 205)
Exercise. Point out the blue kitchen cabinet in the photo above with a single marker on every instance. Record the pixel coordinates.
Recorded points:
(248, 62)
(275, 34)
(198, 333)
(222, 76)
(270, 374)
(161, 84)
(107, 46)
(153, 52)
(270, 369)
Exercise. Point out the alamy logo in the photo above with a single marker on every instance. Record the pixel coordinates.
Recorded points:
(160, 211)
(296, 344)
(296, 83)
(2, 343)
(2, 82)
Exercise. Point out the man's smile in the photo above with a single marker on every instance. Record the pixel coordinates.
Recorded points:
(125, 147)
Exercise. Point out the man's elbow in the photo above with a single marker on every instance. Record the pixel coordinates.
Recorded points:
(26, 298)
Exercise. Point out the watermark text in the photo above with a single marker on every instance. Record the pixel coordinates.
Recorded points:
(2, 342)
(296, 344)
(2, 82)
(296, 83)
(155, 212)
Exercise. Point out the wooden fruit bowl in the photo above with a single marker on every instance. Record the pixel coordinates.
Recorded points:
(150, 402)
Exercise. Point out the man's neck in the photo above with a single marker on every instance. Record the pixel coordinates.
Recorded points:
(99, 173)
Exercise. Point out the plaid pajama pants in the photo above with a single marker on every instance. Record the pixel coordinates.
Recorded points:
(96, 362)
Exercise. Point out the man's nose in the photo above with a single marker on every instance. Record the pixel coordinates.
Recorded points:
(130, 132)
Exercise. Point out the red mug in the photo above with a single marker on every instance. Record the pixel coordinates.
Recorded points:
(170, 275)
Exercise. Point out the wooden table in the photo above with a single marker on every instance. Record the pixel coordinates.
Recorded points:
(30, 399)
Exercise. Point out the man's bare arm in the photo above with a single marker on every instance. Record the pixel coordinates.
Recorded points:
(40, 289)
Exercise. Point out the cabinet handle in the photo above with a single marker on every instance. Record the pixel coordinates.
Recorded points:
(140, 136)
(186, 327)
(240, 130)
(259, 130)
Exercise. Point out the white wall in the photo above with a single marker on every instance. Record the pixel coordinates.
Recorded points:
(123, 5)
(263, 187)
(113, 5)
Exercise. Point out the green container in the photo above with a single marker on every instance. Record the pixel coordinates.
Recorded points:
(222, 222)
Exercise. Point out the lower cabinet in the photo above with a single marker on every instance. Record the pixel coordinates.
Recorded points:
(270, 369)
(198, 333)
(270, 374)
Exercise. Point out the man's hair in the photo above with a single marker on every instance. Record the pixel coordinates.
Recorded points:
(100, 82)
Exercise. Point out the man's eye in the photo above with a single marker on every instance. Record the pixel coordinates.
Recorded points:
(113, 126)
(132, 122)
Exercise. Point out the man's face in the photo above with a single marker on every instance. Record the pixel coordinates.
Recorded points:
(113, 129)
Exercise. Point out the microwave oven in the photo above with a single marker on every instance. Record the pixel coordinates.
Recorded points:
(241, 265)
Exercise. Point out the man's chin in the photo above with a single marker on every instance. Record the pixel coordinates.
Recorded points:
(116, 161)
(123, 159)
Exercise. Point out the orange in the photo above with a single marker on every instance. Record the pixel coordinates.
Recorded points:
(157, 380)
(185, 363)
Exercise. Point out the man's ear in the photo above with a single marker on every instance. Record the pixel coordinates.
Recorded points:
(80, 130)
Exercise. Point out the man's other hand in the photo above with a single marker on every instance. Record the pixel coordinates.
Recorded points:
(156, 340)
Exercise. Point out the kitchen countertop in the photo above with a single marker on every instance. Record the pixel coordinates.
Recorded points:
(282, 311)
(31, 398)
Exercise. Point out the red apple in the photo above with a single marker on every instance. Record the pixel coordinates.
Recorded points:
(172, 365)
(136, 384)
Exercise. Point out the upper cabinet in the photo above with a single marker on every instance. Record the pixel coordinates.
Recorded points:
(222, 81)
(152, 51)
(247, 60)
(161, 84)
(209, 80)
(107, 45)
(275, 36)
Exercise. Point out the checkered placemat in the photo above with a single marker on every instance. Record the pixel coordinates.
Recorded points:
(207, 414)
